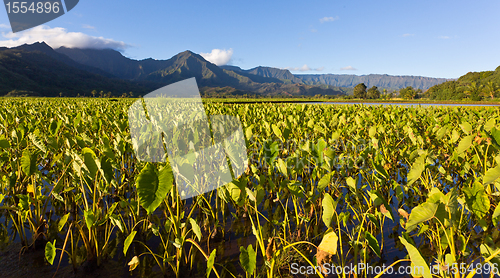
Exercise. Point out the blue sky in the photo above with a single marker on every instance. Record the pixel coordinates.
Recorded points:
(427, 38)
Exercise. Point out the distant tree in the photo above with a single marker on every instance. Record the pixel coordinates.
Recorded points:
(419, 93)
(474, 91)
(373, 93)
(94, 92)
(491, 89)
(360, 91)
(407, 93)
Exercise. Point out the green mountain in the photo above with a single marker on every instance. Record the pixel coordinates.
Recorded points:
(343, 80)
(473, 85)
(379, 80)
(112, 62)
(278, 75)
(213, 80)
(68, 71)
(281, 74)
(47, 50)
(181, 66)
(31, 69)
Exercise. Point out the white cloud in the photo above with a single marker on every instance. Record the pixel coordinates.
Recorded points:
(57, 37)
(328, 19)
(86, 26)
(218, 56)
(444, 37)
(314, 30)
(4, 26)
(348, 68)
(305, 67)
(408, 35)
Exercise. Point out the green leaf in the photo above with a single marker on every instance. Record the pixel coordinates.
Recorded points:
(248, 258)
(50, 251)
(378, 200)
(441, 132)
(62, 222)
(89, 218)
(491, 175)
(152, 187)
(380, 170)
(282, 167)
(372, 241)
(487, 251)
(477, 199)
(276, 131)
(24, 202)
(495, 135)
(416, 170)
(464, 144)
(490, 124)
(89, 159)
(496, 215)
(28, 163)
(37, 142)
(210, 262)
(466, 127)
(351, 183)
(417, 260)
(328, 209)
(115, 220)
(128, 241)
(423, 212)
(248, 132)
(324, 182)
(196, 228)
(4, 143)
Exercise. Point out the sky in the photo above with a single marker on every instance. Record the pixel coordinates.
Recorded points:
(421, 38)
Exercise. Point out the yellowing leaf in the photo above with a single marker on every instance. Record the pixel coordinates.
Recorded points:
(30, 189)
(133, 263)
(329, 243)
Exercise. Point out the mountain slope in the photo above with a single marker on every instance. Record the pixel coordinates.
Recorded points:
(183, 65)
(275, 73)
(39, 69)
(225, 79)
(38, 72)
(112, 62)
(379, 80)
(188, 64)
(47, 50)
(473, 85)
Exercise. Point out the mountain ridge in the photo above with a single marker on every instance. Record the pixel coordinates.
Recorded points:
(110, 70)
(268, 74)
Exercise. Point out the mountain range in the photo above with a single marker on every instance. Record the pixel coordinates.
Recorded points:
(41, 70)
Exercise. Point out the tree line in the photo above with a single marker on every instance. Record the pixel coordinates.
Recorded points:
(362, 92)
